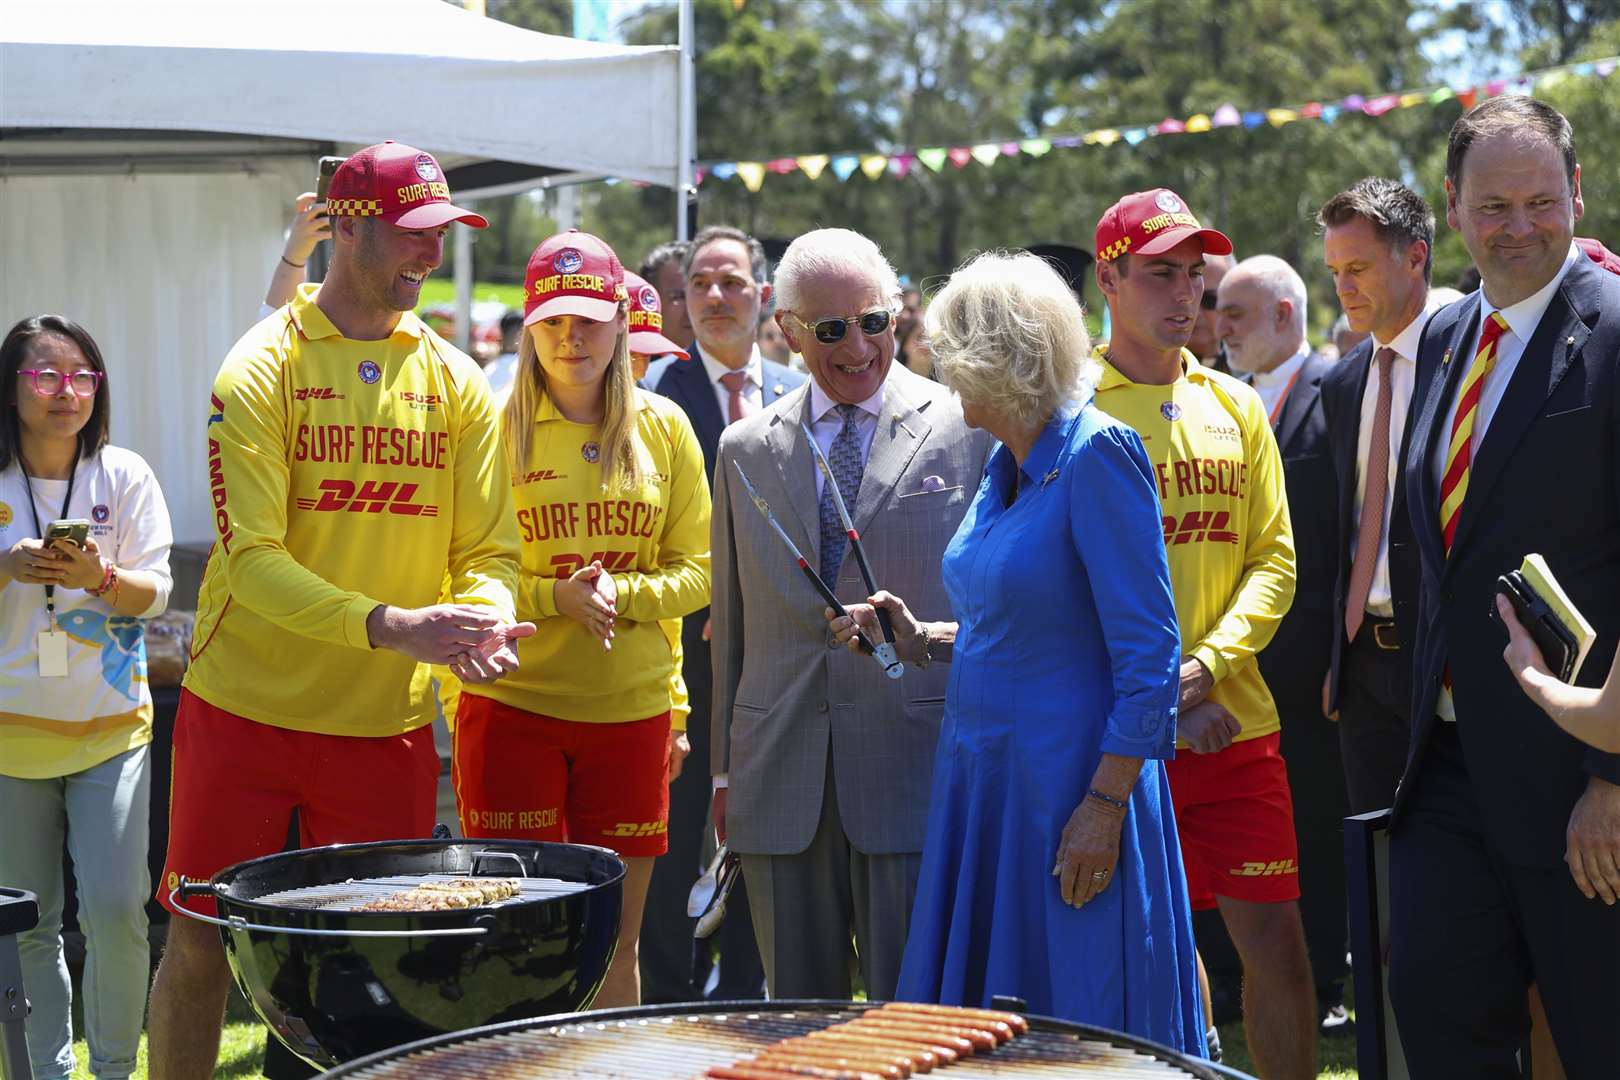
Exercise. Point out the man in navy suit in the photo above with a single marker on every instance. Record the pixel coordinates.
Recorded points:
(1260, 318)
(726, 379)
(1505, 842)
(1377, 241)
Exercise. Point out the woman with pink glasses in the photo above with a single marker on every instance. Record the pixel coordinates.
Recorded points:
(84, 558)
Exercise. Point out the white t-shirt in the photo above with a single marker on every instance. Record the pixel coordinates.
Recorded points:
(103, 707)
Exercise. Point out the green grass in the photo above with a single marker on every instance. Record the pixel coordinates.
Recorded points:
(442, 290)
(1335, 1058)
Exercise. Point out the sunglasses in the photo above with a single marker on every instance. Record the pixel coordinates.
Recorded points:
(832, 331)
(48, 381)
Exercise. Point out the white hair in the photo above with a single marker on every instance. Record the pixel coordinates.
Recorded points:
(831, 251)
(1279, 280)
(1008, 334)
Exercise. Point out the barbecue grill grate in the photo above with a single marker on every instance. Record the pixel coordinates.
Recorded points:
(674, 1046)
(354, 894)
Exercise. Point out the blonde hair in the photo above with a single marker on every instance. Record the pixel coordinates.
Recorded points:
(1009, 335)
(621, 461)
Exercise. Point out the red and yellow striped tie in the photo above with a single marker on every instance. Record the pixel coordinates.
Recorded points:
(1454, 481)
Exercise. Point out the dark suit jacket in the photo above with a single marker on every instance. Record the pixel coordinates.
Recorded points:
(1297, 657)
(1342, 394)
(686, 383)
(1546, 479)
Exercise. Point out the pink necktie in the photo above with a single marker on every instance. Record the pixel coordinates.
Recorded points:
(1370, 533)
(739, 404)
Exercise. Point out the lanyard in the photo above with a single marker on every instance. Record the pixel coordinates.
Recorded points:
(1276, 410)
(33, 508)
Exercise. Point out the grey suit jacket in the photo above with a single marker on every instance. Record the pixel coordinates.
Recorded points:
(783, 699)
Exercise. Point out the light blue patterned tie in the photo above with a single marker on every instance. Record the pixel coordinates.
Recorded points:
(847, 466)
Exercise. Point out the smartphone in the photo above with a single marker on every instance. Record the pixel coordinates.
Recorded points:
(329, 165)
(74, 530)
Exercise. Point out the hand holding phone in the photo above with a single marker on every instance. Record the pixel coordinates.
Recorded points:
(73, 530)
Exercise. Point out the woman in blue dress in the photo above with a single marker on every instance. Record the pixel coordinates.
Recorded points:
(1051, 869)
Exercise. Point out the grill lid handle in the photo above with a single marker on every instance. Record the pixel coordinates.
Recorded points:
(522, 871)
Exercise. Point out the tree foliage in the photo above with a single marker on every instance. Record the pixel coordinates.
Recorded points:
(779, 78)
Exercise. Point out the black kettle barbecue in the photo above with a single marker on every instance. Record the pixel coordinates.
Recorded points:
(336, 983)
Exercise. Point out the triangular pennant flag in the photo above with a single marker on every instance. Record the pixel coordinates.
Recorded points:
(698, 175)
(1552, 81)
(1197, 122)
(1495, 87)
(1226, 116)
(1035, 147)
(873, 165)
(960, 156)
(1169, 126)
(986, 153)
(1605, 68)
(1466, 98)
(844, 164)
(752, 174)
(1279, 117)
(900, 164)
(1353, 103)
(1380, 105)
(1253, 119)
(812, 164)
(932, 156)
(1409, 100)
(1067, 142)
(1330, 113)
(782, 166)
(1136, 135)
(1445, 93)
(1313, 111)
(1009, 149)
(1105, 137)
(1583, 71)
(724, 170)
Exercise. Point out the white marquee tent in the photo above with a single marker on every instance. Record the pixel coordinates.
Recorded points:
(150, 152)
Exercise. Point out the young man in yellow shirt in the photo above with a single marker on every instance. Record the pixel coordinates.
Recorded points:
(354, 461)
(1227, 533)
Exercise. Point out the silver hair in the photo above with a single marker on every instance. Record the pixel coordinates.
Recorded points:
(1279, 280)
(830, 251)
(1009, 335)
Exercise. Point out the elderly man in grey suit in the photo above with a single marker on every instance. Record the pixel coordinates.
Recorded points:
(822, 765)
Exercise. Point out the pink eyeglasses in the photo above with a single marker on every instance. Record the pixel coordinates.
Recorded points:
(48, 381)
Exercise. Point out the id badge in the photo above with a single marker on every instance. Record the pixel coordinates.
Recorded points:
(53, 662)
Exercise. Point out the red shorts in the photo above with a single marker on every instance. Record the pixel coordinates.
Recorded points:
(236, 782)
(523, 776)
(1235, 815)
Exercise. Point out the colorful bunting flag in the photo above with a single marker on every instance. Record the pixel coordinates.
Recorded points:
(874, 165)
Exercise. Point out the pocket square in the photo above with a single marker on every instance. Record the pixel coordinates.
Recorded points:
(933, 483)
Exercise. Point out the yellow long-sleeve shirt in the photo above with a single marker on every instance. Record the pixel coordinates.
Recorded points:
(655, 542)
(344, 474)
(1226, 526)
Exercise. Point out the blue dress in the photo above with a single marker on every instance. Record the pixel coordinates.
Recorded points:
(1067, 649)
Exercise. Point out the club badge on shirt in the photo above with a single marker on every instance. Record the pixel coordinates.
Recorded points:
(53, 654)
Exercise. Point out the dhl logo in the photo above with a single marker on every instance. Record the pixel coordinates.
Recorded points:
(644, 828)
(1199, 525)
(1275, 868)
(316, 393)
(540, 474)
(372, 497)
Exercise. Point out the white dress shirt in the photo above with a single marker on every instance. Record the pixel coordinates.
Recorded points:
(826, 421)
(1272, 385)
(753, 389)
(1402, 375)
(1522, 319)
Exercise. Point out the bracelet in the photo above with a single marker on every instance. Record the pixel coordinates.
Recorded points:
(289, 262)
(109, 579)
(922, 641)
(1117, 804)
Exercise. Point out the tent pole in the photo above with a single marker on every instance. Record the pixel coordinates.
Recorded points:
(686, 143)
(462, 273)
